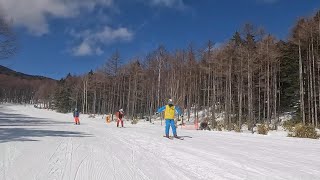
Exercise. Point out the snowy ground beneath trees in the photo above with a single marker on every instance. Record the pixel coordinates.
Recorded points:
(42, 144)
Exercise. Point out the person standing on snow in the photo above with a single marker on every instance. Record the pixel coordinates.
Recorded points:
(76, 115)
(120, 115)
(169, 114)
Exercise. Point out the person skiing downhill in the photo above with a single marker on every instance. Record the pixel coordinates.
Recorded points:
(169, 114)
(76, 115)
(120, 115)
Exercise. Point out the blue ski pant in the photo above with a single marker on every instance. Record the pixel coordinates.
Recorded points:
(170, 122)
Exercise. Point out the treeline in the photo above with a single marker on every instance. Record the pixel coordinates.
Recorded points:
(239, 80)
(252, 78)
(17, 87)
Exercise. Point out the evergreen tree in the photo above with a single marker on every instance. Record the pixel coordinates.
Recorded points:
(289, 76)
(62, 97)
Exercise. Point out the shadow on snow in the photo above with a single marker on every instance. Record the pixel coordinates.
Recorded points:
(13, 128)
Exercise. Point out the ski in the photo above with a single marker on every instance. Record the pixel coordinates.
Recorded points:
(180, 138)
(172, 137)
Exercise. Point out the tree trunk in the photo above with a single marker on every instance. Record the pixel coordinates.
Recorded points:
(301, 86)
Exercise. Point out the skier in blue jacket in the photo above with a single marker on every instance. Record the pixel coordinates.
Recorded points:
(169, 114)
(76, 115)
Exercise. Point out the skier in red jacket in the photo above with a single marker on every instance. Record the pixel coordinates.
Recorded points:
(120, 115)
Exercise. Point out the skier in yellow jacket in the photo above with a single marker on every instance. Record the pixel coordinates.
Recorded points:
(169, 114)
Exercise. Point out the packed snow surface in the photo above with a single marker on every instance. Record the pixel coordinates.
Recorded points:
(42, 144)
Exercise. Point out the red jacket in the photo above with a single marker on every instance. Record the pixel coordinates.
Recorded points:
(119, 114)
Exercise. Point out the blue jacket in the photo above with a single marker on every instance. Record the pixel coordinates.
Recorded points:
(76, 114)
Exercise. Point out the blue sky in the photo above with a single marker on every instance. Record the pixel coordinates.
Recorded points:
(57, 37)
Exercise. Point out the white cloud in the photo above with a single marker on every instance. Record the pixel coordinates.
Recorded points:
(164, 3)
(179, 4)
(82, 50)
(168, 3)
(91, 42)
(33, 14)
(99, 51)
(109, 35)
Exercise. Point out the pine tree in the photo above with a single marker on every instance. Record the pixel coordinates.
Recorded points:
(62, 96)
(289, 76)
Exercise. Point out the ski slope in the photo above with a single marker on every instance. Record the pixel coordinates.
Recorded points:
(41, 144)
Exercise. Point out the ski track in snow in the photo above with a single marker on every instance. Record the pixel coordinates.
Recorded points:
(42, 144)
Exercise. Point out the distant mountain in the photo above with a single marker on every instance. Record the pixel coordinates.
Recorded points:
(9, 72)
(17, 87)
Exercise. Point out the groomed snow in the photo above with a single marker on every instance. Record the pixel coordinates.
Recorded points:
(42, 144)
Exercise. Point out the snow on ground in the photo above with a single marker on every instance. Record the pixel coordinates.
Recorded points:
(42, 144)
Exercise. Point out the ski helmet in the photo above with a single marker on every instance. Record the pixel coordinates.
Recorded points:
(170, 102)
